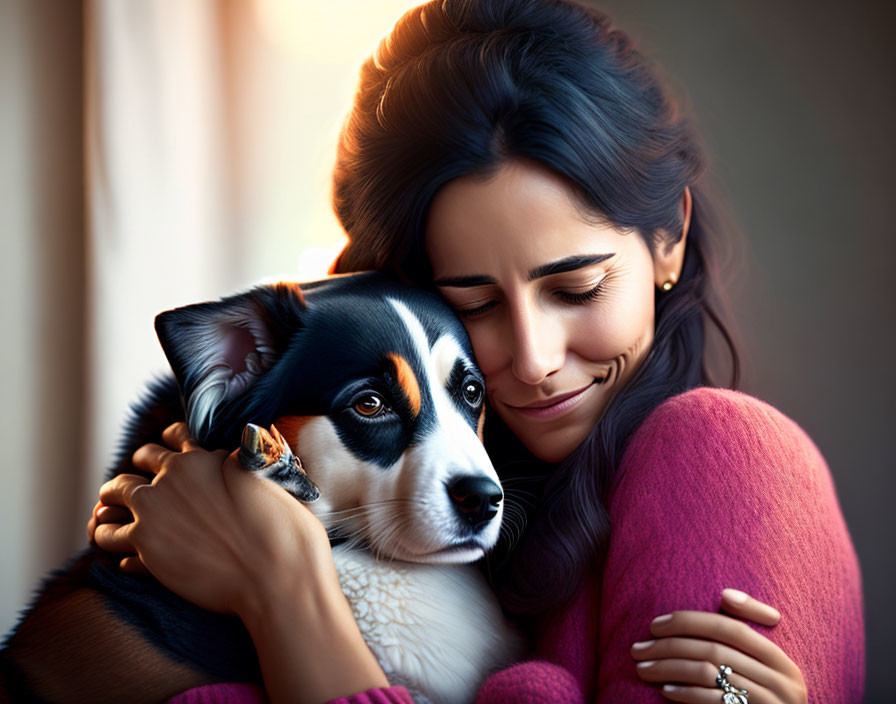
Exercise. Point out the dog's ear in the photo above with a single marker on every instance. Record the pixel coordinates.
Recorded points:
(218, 350)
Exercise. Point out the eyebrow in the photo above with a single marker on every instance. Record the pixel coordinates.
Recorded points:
(558, 267)
(568, 264)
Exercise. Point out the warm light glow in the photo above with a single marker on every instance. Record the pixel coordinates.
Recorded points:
(301, 74)
(313, 264)
(338, 31)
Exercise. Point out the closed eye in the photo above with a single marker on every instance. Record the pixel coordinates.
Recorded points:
(583, 297)
(478, 310)
(570, 297)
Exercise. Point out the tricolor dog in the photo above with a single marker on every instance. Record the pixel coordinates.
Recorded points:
(372, 384)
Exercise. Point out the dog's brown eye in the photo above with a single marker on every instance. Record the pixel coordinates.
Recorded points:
(370, 405)
(473, 392)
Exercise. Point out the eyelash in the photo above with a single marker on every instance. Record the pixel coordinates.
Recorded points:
(479, 310)
(565, 296)
(583, 297)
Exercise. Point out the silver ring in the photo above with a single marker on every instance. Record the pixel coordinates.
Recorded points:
(730, 693)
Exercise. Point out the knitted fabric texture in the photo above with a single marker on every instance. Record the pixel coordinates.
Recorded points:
(233, 693)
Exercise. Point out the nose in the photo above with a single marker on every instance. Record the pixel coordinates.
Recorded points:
(476, 499)
(538, 347)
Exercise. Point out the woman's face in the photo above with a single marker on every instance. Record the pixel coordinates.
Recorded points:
(560, 310)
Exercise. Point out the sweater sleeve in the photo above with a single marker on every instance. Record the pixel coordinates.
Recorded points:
(243, 693)
(530, 682)
(718, 489)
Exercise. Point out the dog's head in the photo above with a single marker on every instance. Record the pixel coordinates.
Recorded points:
(373, 385)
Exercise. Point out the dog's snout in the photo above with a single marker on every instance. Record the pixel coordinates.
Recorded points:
(476, 499)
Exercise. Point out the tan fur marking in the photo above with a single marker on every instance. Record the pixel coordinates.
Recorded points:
(408, 382)
(294, 288)
(481, 424)
(290, 427)
(75, 650)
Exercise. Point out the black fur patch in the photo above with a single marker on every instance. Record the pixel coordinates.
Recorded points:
(318, 358)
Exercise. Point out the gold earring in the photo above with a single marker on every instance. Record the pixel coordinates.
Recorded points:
(668, 285)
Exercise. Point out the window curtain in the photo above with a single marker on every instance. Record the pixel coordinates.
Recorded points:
(156, 153)
(161, 226)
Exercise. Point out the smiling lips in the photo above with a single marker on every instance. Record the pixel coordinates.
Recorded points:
(556, 405)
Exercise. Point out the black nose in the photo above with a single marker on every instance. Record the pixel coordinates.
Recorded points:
(476, 499)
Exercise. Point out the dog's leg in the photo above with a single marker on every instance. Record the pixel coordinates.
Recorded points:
(73, 649)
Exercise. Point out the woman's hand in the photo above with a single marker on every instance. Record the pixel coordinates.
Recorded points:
(231, 541)
(691, 645)
(217, 535)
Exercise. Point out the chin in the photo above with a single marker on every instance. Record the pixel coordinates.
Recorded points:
(551, 455)
(455, 556)
(552, 444)
(462, 553)
(551, 449)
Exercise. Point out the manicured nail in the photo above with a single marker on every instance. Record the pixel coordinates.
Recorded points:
(647, 663)
(665, 618)
(735, 595)
(643, 645)
(670, 688)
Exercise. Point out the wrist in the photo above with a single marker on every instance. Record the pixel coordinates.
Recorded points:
(299, 564)
(308, 590)
(308, 641)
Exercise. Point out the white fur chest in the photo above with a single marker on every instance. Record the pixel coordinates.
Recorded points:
(437, 627)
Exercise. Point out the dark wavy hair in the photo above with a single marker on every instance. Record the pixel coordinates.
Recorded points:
(459, 88)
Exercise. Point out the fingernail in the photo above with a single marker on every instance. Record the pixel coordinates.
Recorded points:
(670, 688)
(647, 663)
(643, 645)
(735, 595)
(665, 618)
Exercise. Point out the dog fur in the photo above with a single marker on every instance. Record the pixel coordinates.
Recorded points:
(372, 383)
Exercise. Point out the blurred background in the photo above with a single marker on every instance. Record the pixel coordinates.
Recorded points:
(161, 152)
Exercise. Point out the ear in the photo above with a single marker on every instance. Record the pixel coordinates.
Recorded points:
(669, 258)
(219, 350)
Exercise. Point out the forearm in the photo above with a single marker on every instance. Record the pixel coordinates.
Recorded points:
(309, 646)
(736, 490)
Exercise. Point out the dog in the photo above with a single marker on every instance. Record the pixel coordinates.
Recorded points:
(372, 383)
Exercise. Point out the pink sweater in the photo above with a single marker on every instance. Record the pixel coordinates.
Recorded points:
(715, 490)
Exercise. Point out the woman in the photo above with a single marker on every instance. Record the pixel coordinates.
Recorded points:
(521, 157)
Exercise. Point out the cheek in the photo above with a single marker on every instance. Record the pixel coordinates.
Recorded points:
(489, 347)
(616, 324)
